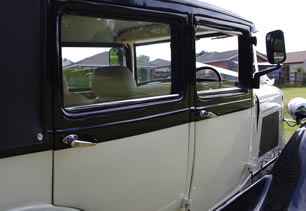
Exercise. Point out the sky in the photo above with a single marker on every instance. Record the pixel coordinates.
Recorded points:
(269, 15)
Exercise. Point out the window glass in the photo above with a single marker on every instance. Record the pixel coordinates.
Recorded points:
(216, 60)
(100, 63)
(152, 67)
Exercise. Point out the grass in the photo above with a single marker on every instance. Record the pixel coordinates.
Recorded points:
(290, 93)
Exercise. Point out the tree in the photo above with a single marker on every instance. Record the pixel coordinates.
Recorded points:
(143, 58)
(201, 53)
(299, 69)
(204, 52)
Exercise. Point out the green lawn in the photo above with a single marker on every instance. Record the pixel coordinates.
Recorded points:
(290, 93)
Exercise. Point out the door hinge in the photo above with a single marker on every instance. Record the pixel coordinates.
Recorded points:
(250, 168)
(186, 204)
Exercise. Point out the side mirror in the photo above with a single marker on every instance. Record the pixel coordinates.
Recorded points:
(275, 44)
(276, 53)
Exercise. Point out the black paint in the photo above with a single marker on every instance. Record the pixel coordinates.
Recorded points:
(22, 77)
(269, 133)
(33, 88)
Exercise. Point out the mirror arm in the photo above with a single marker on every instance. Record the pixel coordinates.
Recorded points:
(256, 80)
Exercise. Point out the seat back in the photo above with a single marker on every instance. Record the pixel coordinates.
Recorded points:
(115, 82)
(70, 98)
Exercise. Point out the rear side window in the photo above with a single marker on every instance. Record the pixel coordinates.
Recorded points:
(110, 60)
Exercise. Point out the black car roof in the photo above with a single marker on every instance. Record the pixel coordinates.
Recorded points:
(186, 6)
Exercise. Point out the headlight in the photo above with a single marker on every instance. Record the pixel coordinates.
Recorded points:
(297, 106)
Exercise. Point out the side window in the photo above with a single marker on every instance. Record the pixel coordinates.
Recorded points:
(152, 67)
(106, 60)
(217, 61)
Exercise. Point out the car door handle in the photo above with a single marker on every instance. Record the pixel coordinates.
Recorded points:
(206, 114)
(73, 141)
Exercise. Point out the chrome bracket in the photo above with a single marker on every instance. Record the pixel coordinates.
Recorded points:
(186, 204)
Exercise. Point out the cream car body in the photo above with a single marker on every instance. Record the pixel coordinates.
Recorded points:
(174, 142)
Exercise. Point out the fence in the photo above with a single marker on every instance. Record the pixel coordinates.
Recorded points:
(288, 78)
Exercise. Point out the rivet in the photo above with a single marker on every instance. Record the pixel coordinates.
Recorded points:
(40, 137)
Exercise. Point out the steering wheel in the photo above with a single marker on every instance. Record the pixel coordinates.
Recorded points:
(208, 79)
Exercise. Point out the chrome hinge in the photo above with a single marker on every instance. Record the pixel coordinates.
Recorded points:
(186, 204)
(250, 167)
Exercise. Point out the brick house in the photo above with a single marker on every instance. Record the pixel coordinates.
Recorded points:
(294, 60)
(229, 60)
(147, 71)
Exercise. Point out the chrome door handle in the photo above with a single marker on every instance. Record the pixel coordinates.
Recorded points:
(73, 141)
(206, 114)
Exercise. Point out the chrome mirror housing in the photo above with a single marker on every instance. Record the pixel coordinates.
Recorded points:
(297, 107)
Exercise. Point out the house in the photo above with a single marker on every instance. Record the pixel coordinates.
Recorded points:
(102, 60)
(159, 69)
(162, 65)
(66, 62)
(229, 60)
(147, 71)
(293, 61)
(226, 60)
(92, 62)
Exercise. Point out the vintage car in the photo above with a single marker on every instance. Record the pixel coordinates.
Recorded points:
(108, 107)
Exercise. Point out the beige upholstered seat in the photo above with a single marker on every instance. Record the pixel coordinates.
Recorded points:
(73, 98)
(118, 83)
(113, 83)
(155, 89)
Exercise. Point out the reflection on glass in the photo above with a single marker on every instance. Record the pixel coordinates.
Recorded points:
(99, 63)
(152, 67)
(217, 60)
(279, 50)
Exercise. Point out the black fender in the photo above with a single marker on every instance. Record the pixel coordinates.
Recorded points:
(298, 200)
(284, 188)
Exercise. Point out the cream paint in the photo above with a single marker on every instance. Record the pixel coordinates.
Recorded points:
(271, 101)
(221, 155)
(44, 207)
(26, 180)
(143, 172)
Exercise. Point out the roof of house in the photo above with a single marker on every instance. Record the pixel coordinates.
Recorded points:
(66, 62)
(217, 57)
(102, 59)
(222, 56)
(263, 56)
(296, 57)
(145, 64)
(161, 63)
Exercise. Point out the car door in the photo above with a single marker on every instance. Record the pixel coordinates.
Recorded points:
(120, 143)
(224, 113)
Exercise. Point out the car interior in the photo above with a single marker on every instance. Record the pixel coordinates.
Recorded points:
(134, 62)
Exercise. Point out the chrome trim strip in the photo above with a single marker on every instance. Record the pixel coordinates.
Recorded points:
(265, 165)
(118, 103)
(200, 26)
(225, 25)
(223, 104)
(217, 91)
